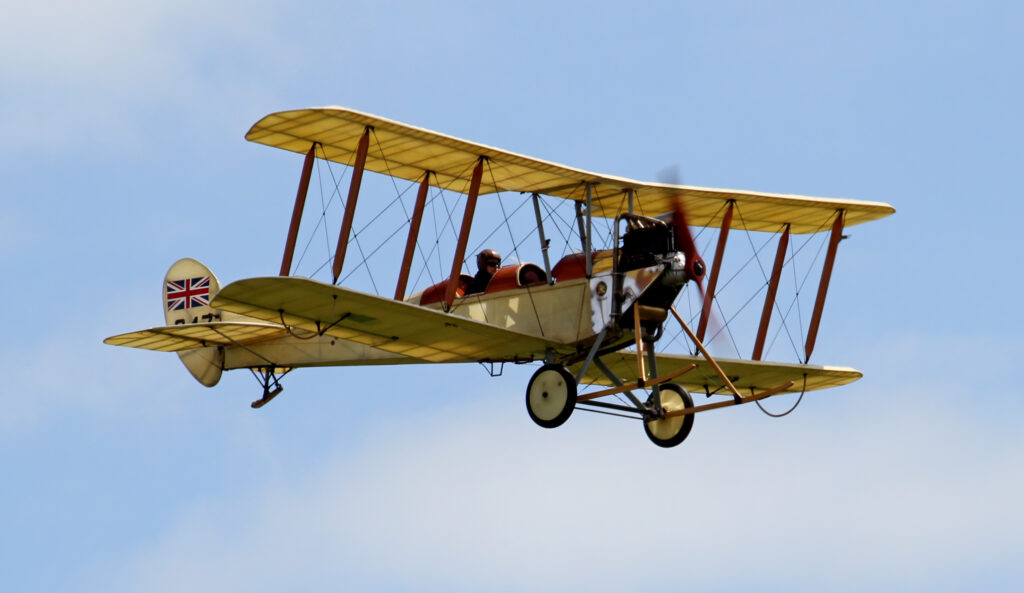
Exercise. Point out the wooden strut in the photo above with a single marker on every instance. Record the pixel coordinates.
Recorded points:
(467, 221)
(350, 205)
(589, 247)
(414, 231)
(581, 226)
(737, 397)
(826, 275)
(726, 404)
(769, 299)
(637, 385)
(543, 240)
(700, 346)
(300, 204)
(640, 372)
(709, 296)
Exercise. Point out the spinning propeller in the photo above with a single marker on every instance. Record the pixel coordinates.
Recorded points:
(695, 265)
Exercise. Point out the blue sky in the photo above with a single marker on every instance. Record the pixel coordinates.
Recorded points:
(122, 127)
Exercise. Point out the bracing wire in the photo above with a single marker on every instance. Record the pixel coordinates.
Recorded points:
(324, 206)
(784, 316)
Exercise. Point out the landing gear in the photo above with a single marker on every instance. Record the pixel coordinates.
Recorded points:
(551, 396)
(669, 432)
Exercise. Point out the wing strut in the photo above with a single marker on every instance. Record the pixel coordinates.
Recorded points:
(350, 205)
(581, 226)
(543, 240)
(638, 334)
(769, 299)
(709, 296)
(300, 204)
(467, 222)
(588, 243)
(826, 275)
(414, 231)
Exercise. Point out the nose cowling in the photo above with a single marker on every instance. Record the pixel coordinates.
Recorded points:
(676, 272)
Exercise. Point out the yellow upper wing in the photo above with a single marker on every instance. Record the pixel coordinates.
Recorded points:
(405, 151)
(747, 375)
(389, 325)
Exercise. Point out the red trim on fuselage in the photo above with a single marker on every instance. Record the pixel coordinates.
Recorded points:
(518, 276)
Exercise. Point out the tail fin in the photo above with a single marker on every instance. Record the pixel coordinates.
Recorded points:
(188, 289)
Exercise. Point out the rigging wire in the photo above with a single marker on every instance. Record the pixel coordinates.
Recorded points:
(444, 225)
(777, 307)
(322, 219)
(553, 213)
(678, 334)
(439, 195)
(794, 303)
(498, 227)
(387, 165)
(723, 289)
(594, 411)
(728, 330)
(344, 204)
(365, 262)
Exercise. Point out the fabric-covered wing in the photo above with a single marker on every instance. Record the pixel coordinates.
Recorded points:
(747, 375)
(406, 152)
(386, 324)
(174, 338)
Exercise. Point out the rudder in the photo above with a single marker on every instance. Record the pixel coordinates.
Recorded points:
(189, 287)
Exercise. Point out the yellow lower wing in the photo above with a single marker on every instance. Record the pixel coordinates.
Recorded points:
(747, 375)
(175, 338)
(389, 325)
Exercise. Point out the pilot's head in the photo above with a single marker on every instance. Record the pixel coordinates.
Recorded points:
(488, 259)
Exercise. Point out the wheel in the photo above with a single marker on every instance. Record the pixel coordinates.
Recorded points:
(669, 432)
(551, 396)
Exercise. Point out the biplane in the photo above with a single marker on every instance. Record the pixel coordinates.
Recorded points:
(592, 320)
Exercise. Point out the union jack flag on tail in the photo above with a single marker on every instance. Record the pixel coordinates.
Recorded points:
(188, 293)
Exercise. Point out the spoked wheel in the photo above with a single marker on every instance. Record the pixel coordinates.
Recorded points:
(551, 396)
(669, 432)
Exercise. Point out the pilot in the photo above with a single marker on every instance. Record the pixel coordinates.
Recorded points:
(487, 263)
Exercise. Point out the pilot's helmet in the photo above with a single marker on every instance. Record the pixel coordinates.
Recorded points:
(487, 257)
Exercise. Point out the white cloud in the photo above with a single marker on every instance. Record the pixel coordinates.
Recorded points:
(75, 73)
(475, 497)
(63, 368)
(859, 489)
